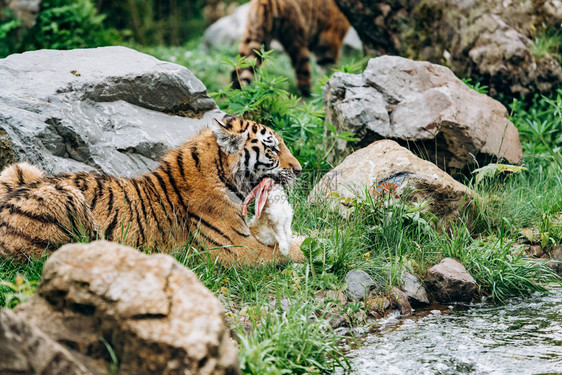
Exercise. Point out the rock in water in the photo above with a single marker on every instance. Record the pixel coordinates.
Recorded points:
(556, 259)
(449, 281)
(388, 162)
(358, 284)
(112, 108)
(400, 301)
(150, 310)
(414, 290)
(424, 106)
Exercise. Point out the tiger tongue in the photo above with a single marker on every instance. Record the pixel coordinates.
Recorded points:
(259, 193)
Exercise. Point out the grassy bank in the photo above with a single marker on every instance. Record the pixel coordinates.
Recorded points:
(280, 314)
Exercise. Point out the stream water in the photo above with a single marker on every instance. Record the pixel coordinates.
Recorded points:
(524, 336)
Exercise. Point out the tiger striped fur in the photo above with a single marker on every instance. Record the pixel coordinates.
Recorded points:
(301, 26)
(195, 194)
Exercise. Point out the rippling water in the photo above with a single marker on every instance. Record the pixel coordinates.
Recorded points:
(522, 337)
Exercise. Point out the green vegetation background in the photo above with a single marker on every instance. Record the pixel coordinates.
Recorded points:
(386, 236)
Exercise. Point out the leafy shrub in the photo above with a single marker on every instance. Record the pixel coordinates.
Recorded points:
(10, 28)
(60, 24)
(382, 234)
(266, 101)
(67, 24)
(156, 22)
(540, 126)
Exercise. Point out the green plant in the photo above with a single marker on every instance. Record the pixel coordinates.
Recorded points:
(295, 341)
(492, 170)
(547, 44)
(18, 291)
(499, 268)
(10, 28)
(114, 364)
(265, 101)
(540, 127)
(481, 89)
(28, 273)
(385, 207)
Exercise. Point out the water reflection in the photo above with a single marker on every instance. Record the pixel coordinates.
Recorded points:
(522, 337)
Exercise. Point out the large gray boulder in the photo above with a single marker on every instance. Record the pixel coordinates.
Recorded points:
(228, 30)
(424, 106)
(386, 162)
(152, 312)
(112, 108)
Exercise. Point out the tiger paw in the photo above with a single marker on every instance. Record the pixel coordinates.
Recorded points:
(296, 254)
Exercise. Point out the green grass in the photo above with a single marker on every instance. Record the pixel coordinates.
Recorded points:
(386, 235)
(547, 44)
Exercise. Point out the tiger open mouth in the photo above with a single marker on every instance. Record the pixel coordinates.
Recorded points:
(260, 192)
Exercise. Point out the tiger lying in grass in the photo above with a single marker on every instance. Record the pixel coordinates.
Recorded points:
(196, 194)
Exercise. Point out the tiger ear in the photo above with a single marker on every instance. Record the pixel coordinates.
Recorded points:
(228, 138)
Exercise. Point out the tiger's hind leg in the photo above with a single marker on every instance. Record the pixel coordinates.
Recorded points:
(17, 175)
(41, 216)
(293, 37)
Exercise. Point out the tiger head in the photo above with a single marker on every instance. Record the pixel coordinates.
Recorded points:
(254, 151)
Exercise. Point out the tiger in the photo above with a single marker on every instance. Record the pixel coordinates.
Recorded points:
(301, 26)
(196, 194)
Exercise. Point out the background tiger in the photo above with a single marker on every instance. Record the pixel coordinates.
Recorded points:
(195, 194)
(301, 26)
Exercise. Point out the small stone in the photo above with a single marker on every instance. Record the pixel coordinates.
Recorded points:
(414, 290)
(379, 304)
(556, 253)
(535, 251)
(555, 263)
(284, 304)
(400, 301)
(337, 320)
(359, 317)
(449, 281)
(358, 284)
